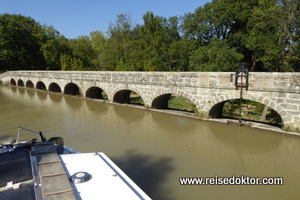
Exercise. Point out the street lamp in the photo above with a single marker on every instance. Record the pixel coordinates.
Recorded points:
(241, 73)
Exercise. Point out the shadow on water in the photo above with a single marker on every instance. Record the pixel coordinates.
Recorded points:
(147, 172)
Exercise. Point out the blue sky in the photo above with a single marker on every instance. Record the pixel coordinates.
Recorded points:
(73, 18)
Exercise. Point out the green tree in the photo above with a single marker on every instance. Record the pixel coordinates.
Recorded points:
(52, 50)
(153, 42)
(82, 49)
(216, 56)
(20, 43)
(99, 42)
(69, 63)
(119, 46)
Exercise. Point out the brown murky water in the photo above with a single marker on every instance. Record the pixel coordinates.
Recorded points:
(156, 149)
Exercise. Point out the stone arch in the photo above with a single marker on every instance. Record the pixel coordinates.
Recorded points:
(160, 98)
(29, 84)
(40, 86)
(216, 106)
(122, 94)
(13, 82)
(54, 87)
(161, 102)
(72, 89)
(95, 93)
(21, 83)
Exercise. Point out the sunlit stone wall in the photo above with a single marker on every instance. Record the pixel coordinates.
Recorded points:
(280, 91)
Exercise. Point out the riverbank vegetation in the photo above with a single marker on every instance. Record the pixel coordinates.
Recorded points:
(215, 37)
(251, 111)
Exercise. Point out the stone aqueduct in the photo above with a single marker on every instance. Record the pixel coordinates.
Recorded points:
(207, 90)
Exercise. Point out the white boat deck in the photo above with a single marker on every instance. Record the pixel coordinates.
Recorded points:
(108, 180)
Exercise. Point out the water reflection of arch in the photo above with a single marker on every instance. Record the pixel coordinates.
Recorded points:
(21, 90)
(129, 115)
(57, 98)
(122, 95)
(95, 92)
(160, 99)
(40, 86)
(14, 89)
(97, 107)
(73, 102)
(72, 89)
(242, 139)
(42, 95)
(12, 82)
(54, 87)
(31, 93)
(174, 124)
(21, 83)
(29, 84)
(216, 111)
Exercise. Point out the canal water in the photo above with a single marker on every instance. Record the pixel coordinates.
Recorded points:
(156, 149)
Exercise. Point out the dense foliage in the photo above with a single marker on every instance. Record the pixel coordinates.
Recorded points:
(264, 34)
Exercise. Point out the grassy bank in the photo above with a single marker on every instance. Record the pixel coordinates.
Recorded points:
(251, 111)
(181, 103)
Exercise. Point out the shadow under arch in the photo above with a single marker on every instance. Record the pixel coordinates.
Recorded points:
(128, 97)
(29, 84)
(174, 102)
(40, 86)
(72, 89)
(161, 102)
(256, 110)
(13, 82)
(21, 83)
(54, 87)
(96, 93)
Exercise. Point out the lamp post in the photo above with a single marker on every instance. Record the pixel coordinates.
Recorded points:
(241, 73)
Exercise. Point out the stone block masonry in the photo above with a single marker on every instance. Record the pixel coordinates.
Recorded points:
(207, 90)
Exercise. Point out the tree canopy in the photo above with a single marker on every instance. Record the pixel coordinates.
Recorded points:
(263, 34)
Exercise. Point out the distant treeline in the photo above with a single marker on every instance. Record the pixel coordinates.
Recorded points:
(264, 34)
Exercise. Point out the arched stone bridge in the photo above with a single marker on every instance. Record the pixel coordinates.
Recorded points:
(207, 90)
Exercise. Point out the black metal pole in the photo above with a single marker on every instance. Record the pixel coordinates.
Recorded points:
(241, 98)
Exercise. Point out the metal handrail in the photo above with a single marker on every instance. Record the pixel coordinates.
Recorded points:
(26, 129)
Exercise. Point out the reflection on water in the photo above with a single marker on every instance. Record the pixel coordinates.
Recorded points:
(155, 149)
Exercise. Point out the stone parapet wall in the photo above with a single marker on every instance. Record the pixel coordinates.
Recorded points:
(280, 91)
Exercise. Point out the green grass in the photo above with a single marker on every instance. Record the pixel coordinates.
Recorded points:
(136, 100)
(250, 110)
(181, 103)
(175, 102)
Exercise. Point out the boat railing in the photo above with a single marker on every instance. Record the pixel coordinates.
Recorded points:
(26, 129)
